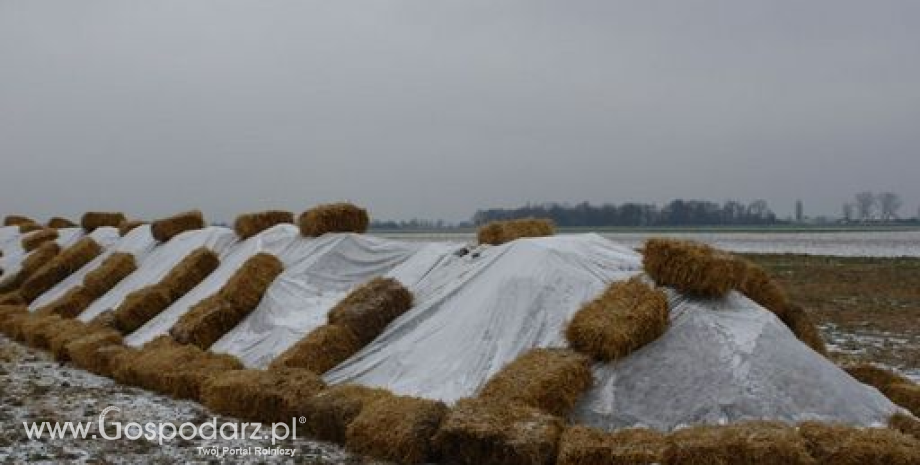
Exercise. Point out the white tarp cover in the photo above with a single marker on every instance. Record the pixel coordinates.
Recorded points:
(159, 262)
(272, 241)
(721, 361)
(318, 273)
(13, 263)
(10, 239)
(138, 242)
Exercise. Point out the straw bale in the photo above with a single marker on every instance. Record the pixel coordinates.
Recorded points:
(332, 218)
(37, 259)
(84, 351)
(167, 228)
(16, 220)
(488, 433)
(739, 444)
(259, 395)
(581, 445)
(12, 298)
(205, 322)
(368, 309)
(58, 222)
(692, 268)
(189, 272)
(552, 380)
(60, 267)
(330, 412)
(246, 287)
(798, 321)
(320, 350)
(128, 225)
(843, 445)
(250, 224)
(906, 395)
(110, 272)
(875, 376)
(500, 232)
(624, 318)
(12, 325)
(397, 428)
(95, 220)
(761, 288)
(906, 424)
(26, 228)
(139, 307)
(70, 304)
(37, 238)
(57, 342)
(35, 330)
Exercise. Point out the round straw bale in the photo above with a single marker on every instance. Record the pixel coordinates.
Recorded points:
(832, 444)
(139, 307)
(110, 272)
(257, 394)
(246, 287)
(84, 351)
(761, 288)
(167, 228)
(331, 411)
(500, 232)
(798, 321)
(692, 268)
(250, 224)
(128, 225)
(551, 380)
(905, 424)
(624, 318)
(37, 238)
(58, 222)
(320, 350)
(16, 220)
(95, 220)
(189, 272)
(397, 428)
(26, 228)
(60, 267)
(368, 309)
(332, 218)
(581, 445)
(476, 432)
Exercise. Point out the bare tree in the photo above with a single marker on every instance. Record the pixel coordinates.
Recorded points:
(865, 205)
(848, 212)
(889, 204)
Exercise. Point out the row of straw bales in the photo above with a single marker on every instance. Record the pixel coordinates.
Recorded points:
(352, 323)
(31, 241)
(211, 318)
(60, 267)
(500, 232)
(96, 283)
(142, 305)
(899, 389)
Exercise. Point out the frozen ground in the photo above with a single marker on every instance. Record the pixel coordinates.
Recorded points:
(34, 387)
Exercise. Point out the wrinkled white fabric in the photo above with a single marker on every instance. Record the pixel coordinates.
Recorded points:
(155, 265)
(272, 241)
(138, 242)
(318, 273)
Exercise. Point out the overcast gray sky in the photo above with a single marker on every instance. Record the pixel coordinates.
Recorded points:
(434, 108)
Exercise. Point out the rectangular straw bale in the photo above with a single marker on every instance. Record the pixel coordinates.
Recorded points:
(906, 395)
(905, 424)
(57, 342)
(250, 224)
(332, 218)
(167, 228)
(34, 330)
(37, 259)
(397, 428)
(128, 225)
(151, 361)
(60, 267)
(116, 361)
(37, 238)
(16, 220)
(798, 321)
(189, 272)
(624, 318)
(12, 298)
(84, 351)
(139, 307)
(110, 272)
(185, 381)
(552, 380)
(488, 433)
(71, 303)
(692, 268)
(95, 220)
(25, 228)
(12, 325)
(368, 309)
(875, 376)
(246, 287)
(12, 309)
(58, 222)
(761, 288)
(740, 444)
(501, 232)
(320, 350)
(843, 445)
(330, 412)
(259, 395)
(205, 322)
(581, 445)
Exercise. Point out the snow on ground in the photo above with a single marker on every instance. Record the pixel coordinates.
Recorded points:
(33, 387)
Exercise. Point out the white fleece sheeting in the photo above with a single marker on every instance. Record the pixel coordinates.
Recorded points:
(318, 273)
(138, 242)
(721, 361)
(273, 241)
(159, 262)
